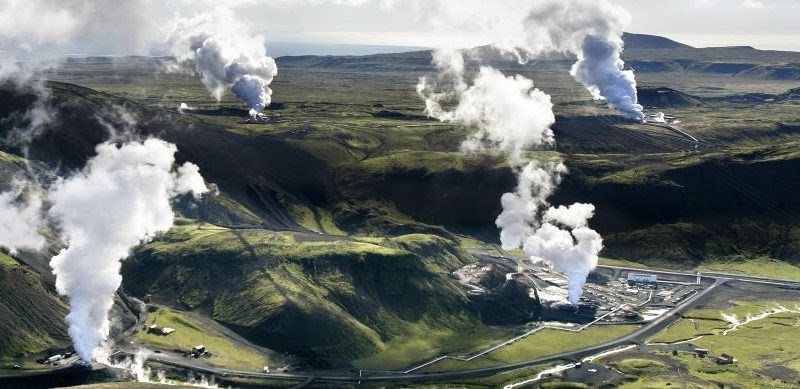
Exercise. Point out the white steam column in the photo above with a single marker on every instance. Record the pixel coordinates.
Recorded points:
(225, 55)
(120, 199)
(508, 114)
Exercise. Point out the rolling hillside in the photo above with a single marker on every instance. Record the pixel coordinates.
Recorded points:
(326, 300)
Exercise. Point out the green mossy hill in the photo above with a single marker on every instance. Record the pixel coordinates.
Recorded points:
(7, 260)
(32, 317)
(327, 300)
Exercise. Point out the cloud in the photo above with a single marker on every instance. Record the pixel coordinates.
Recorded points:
(44, 29)
(753, 3)
(21, 218)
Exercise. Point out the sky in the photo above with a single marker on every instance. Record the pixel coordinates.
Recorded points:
(118, 27)
(764, 24)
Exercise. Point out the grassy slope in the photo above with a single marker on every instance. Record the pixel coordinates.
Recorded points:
(190, 332)
(542, 343)
(32, 317)
(761, 266)
(7, 260)
(31, 314)
(336, 300)
(417, 346)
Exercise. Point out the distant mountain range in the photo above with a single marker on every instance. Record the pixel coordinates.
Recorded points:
(282, 49)
(643, 53)
(649, 42)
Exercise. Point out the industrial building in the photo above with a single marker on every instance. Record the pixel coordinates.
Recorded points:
(642, 280)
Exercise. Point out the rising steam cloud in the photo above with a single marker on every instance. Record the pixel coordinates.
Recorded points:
(119, 200)
(589, 29)
(592, 30)
(508, 114)
(566, 242)
(225, 56)
(21, 218)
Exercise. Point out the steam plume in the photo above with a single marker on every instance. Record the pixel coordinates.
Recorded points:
(521, 208)
(589, 29)
(510, 115)
(48, 29)
(225, 55)
(506, 113)
(119, 200)
(20, 218)
(592, 30)
(565, 241)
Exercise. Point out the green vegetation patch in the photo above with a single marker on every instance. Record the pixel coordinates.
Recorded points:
(766, 350)
(563, 385)
(424, 343)
(759, 267)
(655, 370)
(190, 332)
(689, 328)
(31, 315)
(11, 158)
(735, 375)
(7, 260)
(641, 367)
(542, 343)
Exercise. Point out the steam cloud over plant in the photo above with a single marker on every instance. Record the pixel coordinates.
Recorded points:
(225, 55)
(508, 114)
(119, 200)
